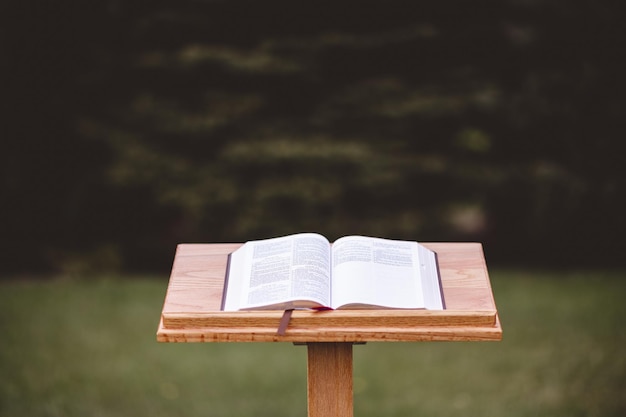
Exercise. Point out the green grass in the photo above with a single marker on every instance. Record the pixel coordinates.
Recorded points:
(87, 348)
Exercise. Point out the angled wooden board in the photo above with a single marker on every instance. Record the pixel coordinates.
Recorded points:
(191, 311)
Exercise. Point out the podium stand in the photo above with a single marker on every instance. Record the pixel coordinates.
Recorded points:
(191, 313)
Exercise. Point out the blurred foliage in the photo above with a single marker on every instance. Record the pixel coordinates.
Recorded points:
(136, 125)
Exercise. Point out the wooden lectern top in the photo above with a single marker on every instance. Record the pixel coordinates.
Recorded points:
(191, 312)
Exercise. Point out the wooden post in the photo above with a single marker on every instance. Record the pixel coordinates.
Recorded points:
(329, 379)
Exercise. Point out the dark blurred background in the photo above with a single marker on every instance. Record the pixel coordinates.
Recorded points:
(130, 126)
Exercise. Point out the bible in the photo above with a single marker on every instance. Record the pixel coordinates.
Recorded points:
(355, 272)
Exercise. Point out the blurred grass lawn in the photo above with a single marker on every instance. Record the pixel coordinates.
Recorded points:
(87, 348)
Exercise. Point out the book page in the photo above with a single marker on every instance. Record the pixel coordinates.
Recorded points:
(431, 282)
(379, 272)
(274, 273)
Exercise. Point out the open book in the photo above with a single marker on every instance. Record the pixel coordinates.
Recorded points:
(305, 271)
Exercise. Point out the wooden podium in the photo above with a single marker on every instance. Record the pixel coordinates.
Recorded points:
(191, 313)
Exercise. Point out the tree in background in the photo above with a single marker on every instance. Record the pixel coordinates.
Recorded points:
(137, 125)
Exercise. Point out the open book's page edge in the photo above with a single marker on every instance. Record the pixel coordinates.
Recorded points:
(226, 279)
(431, 280)
(231, 296)
(438, 271)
